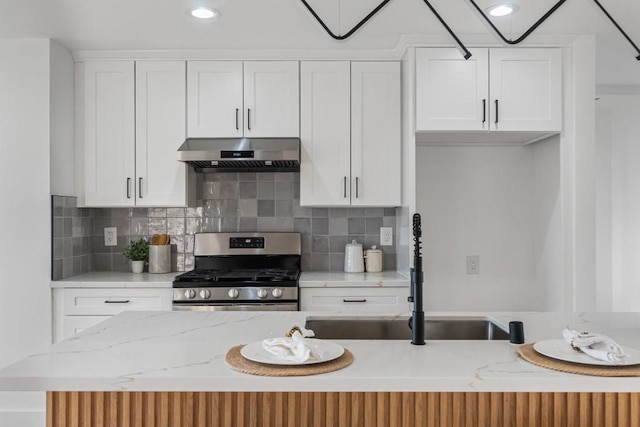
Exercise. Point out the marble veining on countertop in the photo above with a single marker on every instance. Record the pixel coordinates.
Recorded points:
(116, 279)
(184, 351)
(328, 279)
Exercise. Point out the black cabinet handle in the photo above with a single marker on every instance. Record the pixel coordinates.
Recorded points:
(496, 111)
(345, 187)
(128, 188)
(484, 111)
(140, 187)
(110, 301)
(356, 187)
(249, 118)
(355, 300)
(237, 128)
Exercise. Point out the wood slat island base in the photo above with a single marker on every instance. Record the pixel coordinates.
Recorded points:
(320, 409)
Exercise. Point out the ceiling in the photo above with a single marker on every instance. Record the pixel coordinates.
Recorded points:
(286, 24)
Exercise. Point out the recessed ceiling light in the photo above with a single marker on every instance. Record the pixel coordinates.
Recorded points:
(502, 9)
(204, 13)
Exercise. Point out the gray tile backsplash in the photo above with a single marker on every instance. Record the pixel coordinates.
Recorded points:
(71, 243)
(226, 202)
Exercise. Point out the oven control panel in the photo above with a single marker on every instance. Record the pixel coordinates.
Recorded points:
(246, 242)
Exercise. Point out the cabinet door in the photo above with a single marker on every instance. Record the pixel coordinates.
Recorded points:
(325, 134)
(214, 99)
(271, 99)
(109, 144)
(452, 93)
(526, 85)
(160, 130)
(375, 134)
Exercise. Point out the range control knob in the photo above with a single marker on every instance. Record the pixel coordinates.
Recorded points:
(262, 293)
(233, 293)
(276, 292)
(190, 294)
(205, 293)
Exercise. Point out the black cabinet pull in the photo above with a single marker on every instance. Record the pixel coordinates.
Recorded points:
(140, 187)
(128, 188)
(496, 111)
(237, 128)
(249, 118)
(354, 300)
(345, 187)
(115, 301)
(356, 187)
(484, 111)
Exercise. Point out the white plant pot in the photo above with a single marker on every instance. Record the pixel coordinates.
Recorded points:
(137, 266)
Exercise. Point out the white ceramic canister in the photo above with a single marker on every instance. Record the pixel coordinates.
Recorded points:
(373, 260)
(353, 258)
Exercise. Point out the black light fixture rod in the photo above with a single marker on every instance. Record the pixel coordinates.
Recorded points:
(619, 28)
(350, 32)
(526, 33)
(467, 54)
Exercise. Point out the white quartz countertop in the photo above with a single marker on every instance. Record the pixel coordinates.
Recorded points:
(116, 279)
(338, 279)
(181, 351)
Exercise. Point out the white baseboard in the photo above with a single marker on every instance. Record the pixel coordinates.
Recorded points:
(23, 419)
(23, 409)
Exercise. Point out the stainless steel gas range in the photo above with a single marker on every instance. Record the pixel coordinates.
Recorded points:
(241, 271)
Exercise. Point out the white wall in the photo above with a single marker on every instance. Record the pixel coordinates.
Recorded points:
(62, 147)
(25, 213)
(619, 201)
(547, 222)
(500, 203)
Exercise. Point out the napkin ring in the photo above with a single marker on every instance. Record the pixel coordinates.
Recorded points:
(293, 331)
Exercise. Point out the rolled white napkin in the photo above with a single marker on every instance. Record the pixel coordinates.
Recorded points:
(294, 349)
(598, 346)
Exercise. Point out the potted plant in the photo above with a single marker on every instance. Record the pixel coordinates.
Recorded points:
(138, 253)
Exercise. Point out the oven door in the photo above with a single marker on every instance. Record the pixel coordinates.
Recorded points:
(235, 307)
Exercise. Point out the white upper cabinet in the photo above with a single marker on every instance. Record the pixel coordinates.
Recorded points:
(452, 93)
(160, 130)
(214, 99)
(350, 132)
(134, 122)
(109, 133)
(233, 99)
(271, 99)
(501, 89)
(325, 167)
(375, 134)
(526, 92)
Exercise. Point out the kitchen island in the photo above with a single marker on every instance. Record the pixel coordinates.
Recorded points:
(169, 366)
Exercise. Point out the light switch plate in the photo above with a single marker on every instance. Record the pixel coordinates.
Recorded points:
(110, 236)
(473, 264)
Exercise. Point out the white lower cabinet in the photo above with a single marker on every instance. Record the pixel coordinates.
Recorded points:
(77, 309)
(360, 299)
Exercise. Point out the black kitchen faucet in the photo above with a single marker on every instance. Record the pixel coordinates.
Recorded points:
(417, 317)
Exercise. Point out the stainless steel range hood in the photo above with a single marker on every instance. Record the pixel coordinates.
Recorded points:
(241, 154)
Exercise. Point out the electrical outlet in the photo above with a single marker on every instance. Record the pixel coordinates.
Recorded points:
(386, 236)
(110, 236)
(473, 264)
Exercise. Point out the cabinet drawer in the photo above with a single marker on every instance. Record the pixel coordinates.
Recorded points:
(73, 325)
(355, 299)
(106, 302)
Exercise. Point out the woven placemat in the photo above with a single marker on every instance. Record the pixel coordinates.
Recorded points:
(529, 354)
(235, 360)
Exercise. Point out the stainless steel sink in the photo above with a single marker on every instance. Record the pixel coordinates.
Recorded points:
(397, 328)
